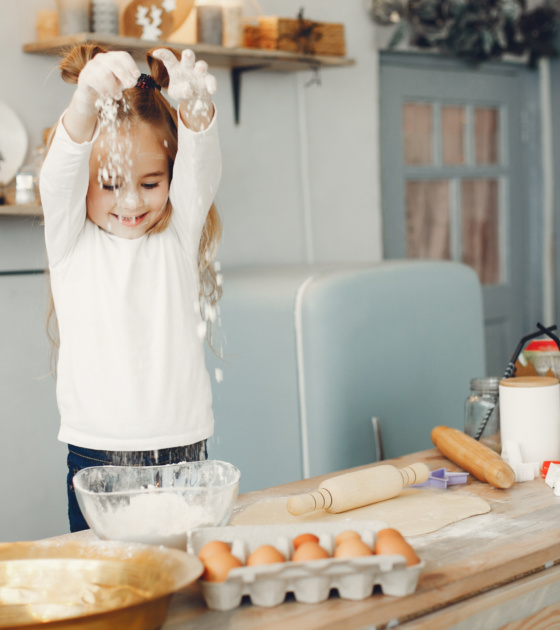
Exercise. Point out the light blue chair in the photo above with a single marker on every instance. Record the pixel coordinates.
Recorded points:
(313, 353)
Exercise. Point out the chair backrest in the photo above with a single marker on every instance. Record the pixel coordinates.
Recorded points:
(313, 353)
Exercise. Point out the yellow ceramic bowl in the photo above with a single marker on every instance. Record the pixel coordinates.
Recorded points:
(95, 585)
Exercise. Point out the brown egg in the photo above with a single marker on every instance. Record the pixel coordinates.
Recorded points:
(265, 554)
(212, 547)
(218, 566)
(303, 538)
(391, 542)
(348, 533)
(309, 551)
(352, 548)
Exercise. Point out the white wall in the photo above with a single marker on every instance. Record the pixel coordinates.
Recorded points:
(263, 194)
(300, 157)
(261, 198)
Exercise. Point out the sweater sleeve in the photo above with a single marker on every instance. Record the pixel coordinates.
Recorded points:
(64, 181)
(196, 176)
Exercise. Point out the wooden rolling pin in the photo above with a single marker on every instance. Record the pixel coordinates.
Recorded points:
(356, 489)
(474, 457)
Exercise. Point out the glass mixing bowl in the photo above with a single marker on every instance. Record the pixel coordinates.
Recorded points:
(156, 505)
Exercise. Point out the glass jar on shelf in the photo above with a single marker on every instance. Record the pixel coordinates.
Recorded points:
(105, 16)
(232, 26)
(27, 179)
(209, 22)
(73, 16)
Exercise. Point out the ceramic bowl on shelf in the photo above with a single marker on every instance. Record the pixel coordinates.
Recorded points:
(156, 505)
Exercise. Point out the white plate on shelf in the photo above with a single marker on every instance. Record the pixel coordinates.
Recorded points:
(13, 143)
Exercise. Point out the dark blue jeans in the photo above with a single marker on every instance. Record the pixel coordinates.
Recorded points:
(79, 458)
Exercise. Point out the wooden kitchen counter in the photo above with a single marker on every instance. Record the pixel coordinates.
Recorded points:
(489, 571)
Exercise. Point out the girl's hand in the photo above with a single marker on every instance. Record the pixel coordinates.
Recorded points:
(105, 76)
(191, 85)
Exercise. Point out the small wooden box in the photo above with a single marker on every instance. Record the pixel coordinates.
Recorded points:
(251, 33)
(301, 36)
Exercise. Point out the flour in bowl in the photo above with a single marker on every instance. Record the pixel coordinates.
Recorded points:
(161, 518)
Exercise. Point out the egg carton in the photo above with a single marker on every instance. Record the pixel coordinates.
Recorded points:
(310, 582)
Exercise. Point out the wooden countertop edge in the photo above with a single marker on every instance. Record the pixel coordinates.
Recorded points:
(435, 591)
(441, 594)
(529, 602)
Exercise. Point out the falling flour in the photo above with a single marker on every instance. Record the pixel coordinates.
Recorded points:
(115, 170)
(115, 159)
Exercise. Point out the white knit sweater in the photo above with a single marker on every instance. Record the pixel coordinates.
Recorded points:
(131, 371)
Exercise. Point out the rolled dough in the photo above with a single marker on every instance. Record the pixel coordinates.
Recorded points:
(414, 512)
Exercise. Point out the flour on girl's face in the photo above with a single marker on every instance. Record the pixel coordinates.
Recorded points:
(115, 162)
(128, 177)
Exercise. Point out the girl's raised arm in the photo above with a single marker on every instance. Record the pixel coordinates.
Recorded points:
(104, 76)
(190, 85)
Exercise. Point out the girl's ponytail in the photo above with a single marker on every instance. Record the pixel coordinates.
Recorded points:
(158, 69)
(76, 59)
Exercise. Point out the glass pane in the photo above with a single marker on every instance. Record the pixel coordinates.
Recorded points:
(417, 130)
(480, 228)
(486, 135)
(453, 121)
(428, 219)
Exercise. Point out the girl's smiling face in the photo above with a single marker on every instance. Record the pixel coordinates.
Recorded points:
(130, 209)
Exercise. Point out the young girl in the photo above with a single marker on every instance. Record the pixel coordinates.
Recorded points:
(130, 236)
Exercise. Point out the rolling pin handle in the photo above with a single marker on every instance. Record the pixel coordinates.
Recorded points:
(304, 503)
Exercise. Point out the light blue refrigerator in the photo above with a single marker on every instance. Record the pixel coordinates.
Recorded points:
(312, 353)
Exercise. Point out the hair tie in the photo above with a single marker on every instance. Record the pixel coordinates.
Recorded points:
(145, 82)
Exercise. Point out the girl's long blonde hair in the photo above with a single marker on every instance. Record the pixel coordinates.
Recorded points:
(149, 106)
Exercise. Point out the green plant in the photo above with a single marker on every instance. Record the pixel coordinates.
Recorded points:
(473, 30)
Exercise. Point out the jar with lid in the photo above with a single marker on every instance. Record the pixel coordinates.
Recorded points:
(483, 400)
(209, 19)
(232, 26)
(27, 179)
(73, 16)
(105, 16)
(543, 355)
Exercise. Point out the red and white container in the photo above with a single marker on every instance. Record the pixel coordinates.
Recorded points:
(544, 355)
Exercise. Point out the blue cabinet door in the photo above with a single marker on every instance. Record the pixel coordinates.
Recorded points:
(33, 462)
(454, 184)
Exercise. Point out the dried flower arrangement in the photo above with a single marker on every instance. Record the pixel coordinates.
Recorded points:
(473, 30)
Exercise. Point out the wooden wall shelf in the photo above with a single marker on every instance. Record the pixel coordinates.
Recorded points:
(216, 56)
(237, 60)
(22, 211)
